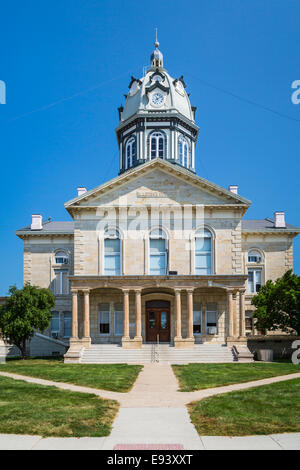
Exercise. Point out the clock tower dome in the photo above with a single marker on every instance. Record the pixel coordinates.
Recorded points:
(157, 120)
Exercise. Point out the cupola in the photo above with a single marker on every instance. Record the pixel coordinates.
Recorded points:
(157, 119)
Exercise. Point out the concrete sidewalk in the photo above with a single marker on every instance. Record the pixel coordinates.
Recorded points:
(156, 386)
(271, 442)
(154, 413)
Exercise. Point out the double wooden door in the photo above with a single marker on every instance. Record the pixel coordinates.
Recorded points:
(158, 324)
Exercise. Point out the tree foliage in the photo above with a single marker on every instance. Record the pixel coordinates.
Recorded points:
(278, 304)
(25, 311)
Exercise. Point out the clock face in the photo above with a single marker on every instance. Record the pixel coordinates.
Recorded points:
(157, 99)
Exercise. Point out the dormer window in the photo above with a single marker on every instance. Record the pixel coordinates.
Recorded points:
(130, 152)
(61, 258)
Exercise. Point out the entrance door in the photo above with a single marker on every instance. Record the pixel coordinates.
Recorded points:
(158, 323)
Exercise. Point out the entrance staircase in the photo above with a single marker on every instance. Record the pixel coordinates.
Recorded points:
(162, 353)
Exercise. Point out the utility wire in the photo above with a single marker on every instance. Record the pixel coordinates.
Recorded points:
(67, 98)
(245, 100)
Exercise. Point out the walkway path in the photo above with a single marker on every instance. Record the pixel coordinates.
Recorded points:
(156, 386)
(154, 412)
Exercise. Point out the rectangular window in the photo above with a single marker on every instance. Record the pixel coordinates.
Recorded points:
(61, 282)
(158, 256)
(197, 320)
(67, 324)
(212, 319)
(248, 321)
(112, 258)
(54, 325)
(104, 319)
(254, 280)
(118, 320)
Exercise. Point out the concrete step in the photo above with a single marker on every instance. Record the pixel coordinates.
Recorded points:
(164, 353)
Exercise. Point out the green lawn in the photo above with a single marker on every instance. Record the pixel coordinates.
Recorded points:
(115, 377)
(47, 411)
(199, 376)
(268, 409)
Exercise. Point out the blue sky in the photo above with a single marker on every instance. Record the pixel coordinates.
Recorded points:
(67, 64)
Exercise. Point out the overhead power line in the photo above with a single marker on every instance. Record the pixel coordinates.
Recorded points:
(245, 100)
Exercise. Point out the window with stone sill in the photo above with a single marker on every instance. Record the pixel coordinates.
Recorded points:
(112, 253)
(203, 252)
(157, 253)
(61, 282)
(254, 280)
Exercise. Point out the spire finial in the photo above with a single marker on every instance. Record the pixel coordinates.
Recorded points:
(156, 44)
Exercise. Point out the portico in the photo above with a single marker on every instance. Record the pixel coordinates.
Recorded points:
(169, 305)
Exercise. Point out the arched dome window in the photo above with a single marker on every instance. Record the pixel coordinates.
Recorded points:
(157, 145)
(183, 151)
(203, 252)
(112, 253)
(130, 152)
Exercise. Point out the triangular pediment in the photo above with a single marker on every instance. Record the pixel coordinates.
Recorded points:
(157, 182)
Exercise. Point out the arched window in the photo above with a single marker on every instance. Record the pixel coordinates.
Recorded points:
(112, 253)
(157, 144)
(183, 151)
(254, 256)
(61, 258)
(157, 252)
(203, 252)
(130, 152)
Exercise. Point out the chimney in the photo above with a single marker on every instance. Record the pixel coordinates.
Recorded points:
(279, 219)
(37, 222)
(233, 188)
(81, 190)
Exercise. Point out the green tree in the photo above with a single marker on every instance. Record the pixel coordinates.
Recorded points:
(25, 311)
(278, 304)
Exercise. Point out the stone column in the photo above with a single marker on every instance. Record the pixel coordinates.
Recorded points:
(74, 315)
(242, 313)
(190, 310)
(126, 337)
(86, 318)
(178, 314)
(138, 316)
(203, 319)
(230, 312)
(235, 318)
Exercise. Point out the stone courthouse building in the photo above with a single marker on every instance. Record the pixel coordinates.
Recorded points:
(157, 254)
